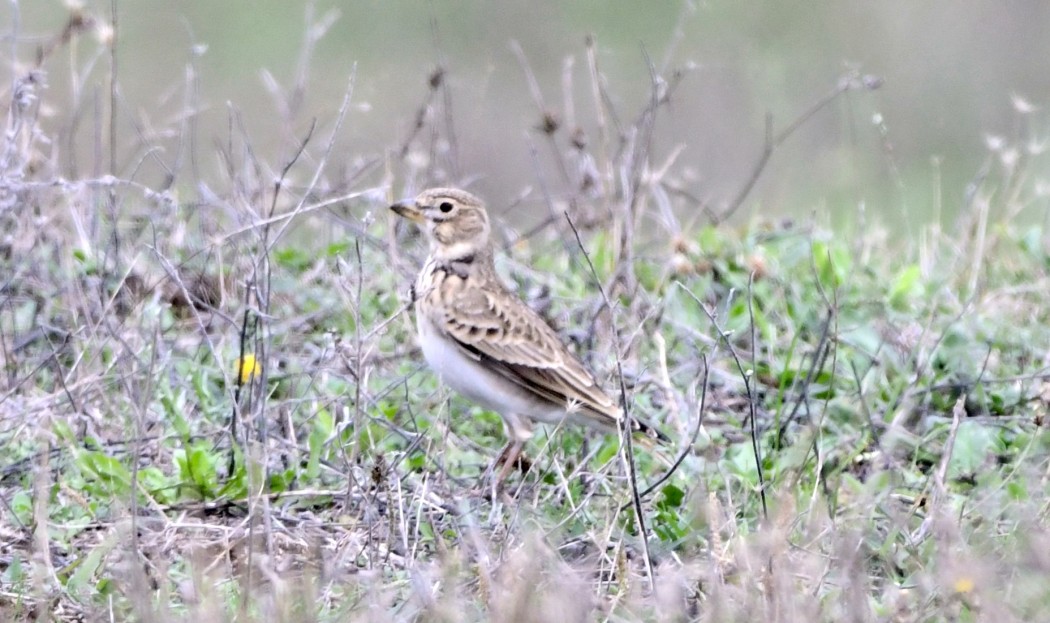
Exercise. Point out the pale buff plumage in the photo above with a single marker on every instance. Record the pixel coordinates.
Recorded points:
(485, 342)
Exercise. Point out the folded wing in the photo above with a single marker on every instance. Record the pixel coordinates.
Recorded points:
(518, 344)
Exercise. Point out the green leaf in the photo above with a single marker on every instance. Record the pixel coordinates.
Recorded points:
(649, 276)
(236, 486)
(712, 241)
(601, 256)
(671, 498)
(1017, 491)
(974, 442)
(15, 573)
(78, 575)
(174, 406)
(160, 485)
(62, 431)
(197, 467)
(416, 462)
(22, 506)
(832, 263)
(740, 461)
(337, 249)
(294, 259)
(316, 443)
(608, 450)
(202, 466)
(905, 286)
(426, 530)
(282, 481)
(106, 471)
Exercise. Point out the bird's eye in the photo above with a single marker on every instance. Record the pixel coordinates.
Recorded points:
(446, 207)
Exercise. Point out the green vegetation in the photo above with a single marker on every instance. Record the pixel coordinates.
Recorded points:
(212, 407)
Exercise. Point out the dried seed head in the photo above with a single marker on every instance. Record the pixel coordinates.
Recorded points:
(550, 122)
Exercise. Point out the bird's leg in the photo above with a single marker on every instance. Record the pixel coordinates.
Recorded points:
(487, 480)
(507, 460)
(510, 456)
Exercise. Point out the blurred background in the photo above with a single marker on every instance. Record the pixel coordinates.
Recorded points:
(963, 80)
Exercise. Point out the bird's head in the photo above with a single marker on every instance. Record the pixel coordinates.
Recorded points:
(455, 221)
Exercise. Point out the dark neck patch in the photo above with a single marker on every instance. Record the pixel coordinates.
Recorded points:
(459, 266)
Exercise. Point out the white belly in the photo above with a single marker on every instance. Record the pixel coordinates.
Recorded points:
(488, 389)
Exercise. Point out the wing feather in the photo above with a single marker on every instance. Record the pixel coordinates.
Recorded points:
(494, 325)
(521, 346)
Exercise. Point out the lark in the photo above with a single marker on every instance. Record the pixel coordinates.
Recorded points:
(487, 344)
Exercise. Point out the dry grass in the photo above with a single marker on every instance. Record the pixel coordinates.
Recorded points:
(898, 403)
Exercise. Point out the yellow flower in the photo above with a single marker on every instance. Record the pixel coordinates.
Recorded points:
(248, 368)
(963, 585)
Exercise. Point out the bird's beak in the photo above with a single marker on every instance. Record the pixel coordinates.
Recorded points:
(408, 210)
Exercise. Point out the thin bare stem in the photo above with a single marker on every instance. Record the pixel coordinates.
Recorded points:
(847, 83)
(626, 424)
(687, 448)
(746, 375)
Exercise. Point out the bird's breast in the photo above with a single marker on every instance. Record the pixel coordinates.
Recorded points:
(474, 380)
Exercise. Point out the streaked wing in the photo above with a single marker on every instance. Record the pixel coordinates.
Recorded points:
(520, 345)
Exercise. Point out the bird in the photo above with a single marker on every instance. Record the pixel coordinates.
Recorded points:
(483, 341)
